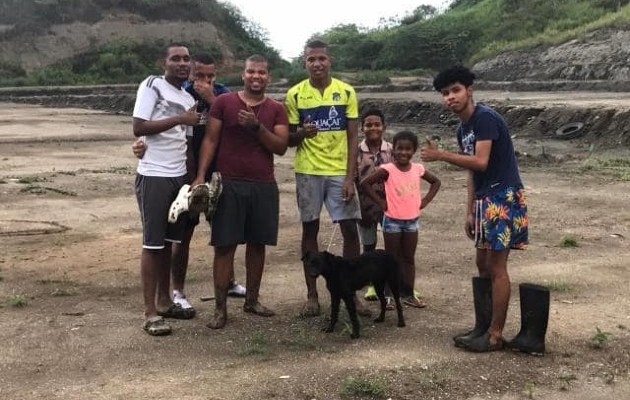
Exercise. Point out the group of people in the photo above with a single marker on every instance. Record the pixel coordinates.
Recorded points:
(190, 126)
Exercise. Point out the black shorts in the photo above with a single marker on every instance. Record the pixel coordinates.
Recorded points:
(155, 195)
(247, 212)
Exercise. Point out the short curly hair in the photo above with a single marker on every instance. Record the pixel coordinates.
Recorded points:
(454, 74)
(406, 135)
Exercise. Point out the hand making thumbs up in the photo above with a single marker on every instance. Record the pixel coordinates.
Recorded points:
(430, 151)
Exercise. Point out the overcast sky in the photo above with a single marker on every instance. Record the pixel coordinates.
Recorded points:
(289, 23)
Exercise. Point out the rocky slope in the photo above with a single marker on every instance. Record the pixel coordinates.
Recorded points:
(602, 55)
(63, 41)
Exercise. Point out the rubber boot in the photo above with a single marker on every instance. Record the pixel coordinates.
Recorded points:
(534, 319)
(482, 297)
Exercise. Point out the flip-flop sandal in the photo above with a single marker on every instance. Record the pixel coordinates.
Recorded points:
(414, 302)
(156, 326)
(180, 204)
(389, 305)
(176, 311)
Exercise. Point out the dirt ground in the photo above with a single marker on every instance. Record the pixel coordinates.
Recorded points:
(70, 241)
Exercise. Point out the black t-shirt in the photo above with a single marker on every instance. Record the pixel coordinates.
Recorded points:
(199, 131)
(502, 170)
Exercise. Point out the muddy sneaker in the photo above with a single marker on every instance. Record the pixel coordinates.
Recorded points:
(215, 187)
(180, 204)
(180, 298)
(199, 199)
(236, 290)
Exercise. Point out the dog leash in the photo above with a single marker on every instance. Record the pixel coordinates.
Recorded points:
(332, 236)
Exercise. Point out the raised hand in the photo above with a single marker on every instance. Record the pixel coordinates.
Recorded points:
(191, 117)
(430, 151)
(248, 119)
(309, 128)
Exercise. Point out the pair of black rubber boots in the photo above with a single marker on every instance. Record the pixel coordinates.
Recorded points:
(534, 317)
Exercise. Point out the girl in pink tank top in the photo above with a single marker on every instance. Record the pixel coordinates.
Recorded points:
(402, 207)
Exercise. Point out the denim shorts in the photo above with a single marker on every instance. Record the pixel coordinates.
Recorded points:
(392, 225)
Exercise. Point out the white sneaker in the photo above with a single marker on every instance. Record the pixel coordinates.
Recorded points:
(180, 204)
(180, 298)
(237, 290)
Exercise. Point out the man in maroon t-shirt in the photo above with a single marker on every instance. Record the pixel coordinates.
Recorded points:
(251, 128)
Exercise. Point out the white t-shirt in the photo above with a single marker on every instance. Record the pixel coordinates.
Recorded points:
(166, 152)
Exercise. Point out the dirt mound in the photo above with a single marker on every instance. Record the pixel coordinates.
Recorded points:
(604, 124)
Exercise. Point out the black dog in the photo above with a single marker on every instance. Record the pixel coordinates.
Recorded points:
(344, 276)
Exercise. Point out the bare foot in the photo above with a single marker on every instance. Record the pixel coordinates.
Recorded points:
(258, 309)
(311, 308)
(218, 320)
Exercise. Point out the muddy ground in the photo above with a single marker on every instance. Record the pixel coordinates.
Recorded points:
(71, 300)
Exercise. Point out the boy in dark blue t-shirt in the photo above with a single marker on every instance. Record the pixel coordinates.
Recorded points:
(496, 210)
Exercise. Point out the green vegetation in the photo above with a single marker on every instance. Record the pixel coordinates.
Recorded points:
(421, 41)
(601, 339)
(566, 381)
(301, 340)
(569, 242)
(17, 300)
(471, 30)
(558, 286)
(530, 390)
(362, 387)
(255, 345)
(123, 61)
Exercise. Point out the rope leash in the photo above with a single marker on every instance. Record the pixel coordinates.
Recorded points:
(332, 236)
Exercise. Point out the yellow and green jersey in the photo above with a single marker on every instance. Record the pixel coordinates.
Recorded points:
(326, 153)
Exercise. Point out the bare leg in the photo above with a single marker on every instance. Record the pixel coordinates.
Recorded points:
(408, 244)
(310, 230)
(164, 278)
(393, 247)
(496, 268)
(223, 262)
(179, 260)
(255, 264)
(149, 265)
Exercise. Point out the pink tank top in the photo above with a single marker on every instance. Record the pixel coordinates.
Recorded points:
(403, 191)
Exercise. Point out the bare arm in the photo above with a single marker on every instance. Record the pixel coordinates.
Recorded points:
(435, 183)
(275, 141)
(142, 127)
(352, 133)
(470, 206)
(297, 134)
(476, 162)
(379, 175)
(208, 148)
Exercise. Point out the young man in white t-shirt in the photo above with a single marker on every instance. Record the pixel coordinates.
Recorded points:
(162, 114)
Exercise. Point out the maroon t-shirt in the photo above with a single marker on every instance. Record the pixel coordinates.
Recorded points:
(241, 155)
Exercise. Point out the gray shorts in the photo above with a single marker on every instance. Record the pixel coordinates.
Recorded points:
(247, 212)
(155, 195)
(313, 191)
